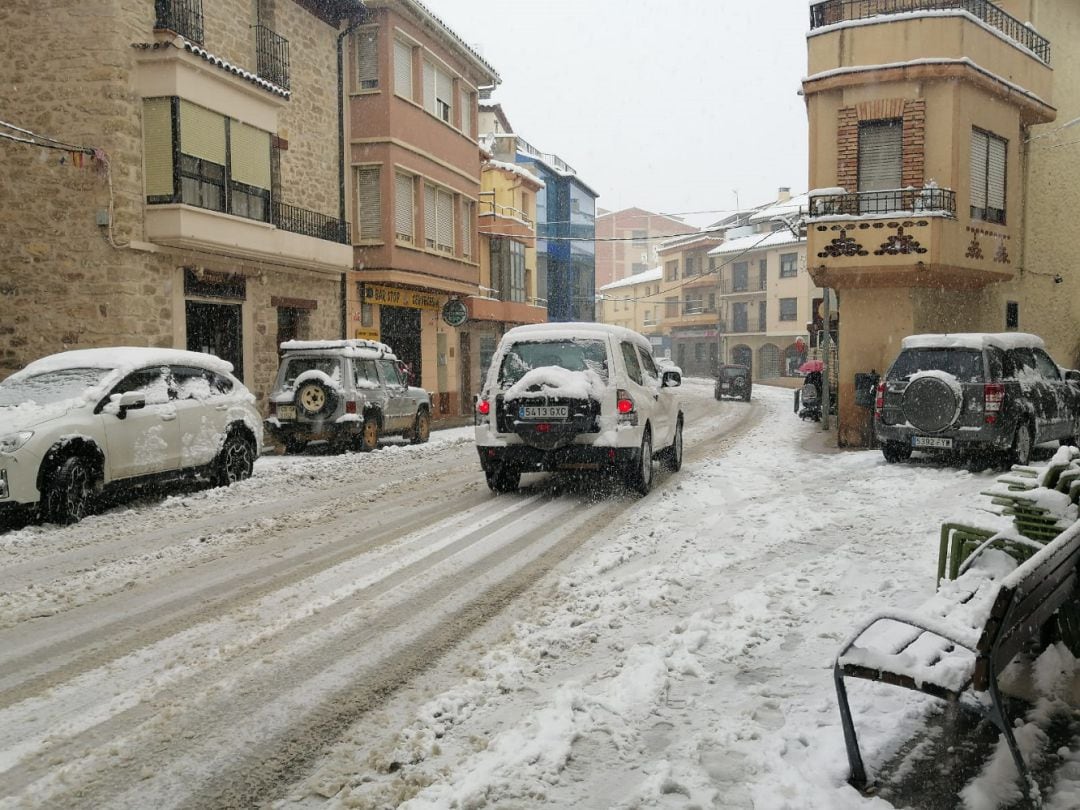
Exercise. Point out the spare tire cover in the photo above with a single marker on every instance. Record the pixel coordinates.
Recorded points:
(931, 404)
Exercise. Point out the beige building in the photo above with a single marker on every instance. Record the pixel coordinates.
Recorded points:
(944, 178)
(689, 299)
(169, 177)
(635, 303)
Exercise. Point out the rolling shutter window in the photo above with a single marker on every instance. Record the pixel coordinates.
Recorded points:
(429, 215)
(429, 88)
(995, 176)
(250, 152)
(367, 58)
(157, 146)
(202, 133)
(466, 113)
(369, 202)
(403, 207)
(978, 173)
(444, 216)
(880, 155)
(468, 216)
(403, 69)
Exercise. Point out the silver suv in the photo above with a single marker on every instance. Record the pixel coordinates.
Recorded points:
(580, 396)
(986, 398)
(348, 392)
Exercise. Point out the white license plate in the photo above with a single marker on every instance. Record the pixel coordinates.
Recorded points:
(931, 441)
(543, 412)
(286, 411)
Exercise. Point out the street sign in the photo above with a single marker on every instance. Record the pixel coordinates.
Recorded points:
(454, 312)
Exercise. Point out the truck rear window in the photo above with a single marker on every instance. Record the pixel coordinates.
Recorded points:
(964, 364)
(571, 354)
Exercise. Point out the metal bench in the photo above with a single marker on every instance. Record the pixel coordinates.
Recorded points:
(962, 638)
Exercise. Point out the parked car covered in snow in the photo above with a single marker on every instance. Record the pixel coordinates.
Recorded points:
(77, 423)
(348, 392)
(984, 397)
(582, 396)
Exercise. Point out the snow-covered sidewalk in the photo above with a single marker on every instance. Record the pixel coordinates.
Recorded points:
(686, 659)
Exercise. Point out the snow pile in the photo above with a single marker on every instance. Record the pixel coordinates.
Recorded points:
(556, 382)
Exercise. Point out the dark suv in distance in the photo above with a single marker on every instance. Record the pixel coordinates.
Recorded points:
(733, 380)
(985, 398)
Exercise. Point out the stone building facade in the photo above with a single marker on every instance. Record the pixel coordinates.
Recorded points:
(187, 200)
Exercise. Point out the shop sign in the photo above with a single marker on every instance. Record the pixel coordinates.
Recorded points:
(696, 335)
(365, 333)
(400, 297)
(454, 312)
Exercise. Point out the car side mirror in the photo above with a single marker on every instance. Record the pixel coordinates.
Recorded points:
(671, 379)
(128, 401)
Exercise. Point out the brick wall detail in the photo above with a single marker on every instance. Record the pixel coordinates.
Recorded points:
(913, 114)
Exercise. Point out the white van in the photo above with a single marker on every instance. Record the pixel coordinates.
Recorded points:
(580, 396)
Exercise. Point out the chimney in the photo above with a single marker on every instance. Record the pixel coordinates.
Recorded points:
(784, 194)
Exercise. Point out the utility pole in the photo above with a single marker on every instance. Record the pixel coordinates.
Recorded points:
(826, 339)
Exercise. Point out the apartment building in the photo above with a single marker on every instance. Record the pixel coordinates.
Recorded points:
(689, 297)
(627, 241)
(943, 173)
(168, 177)
(508, 296)
(635, 303)
(414, 160)
(565, 221)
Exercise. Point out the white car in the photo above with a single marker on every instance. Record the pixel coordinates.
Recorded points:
(581, 396)
(77, 423)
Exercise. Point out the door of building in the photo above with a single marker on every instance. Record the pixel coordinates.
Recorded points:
(216, 329)
(399, 327)
(465, 363)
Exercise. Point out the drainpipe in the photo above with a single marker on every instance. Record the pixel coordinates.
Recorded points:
(357, 20)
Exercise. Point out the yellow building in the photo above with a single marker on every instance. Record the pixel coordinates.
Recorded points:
(507, 246)
(941, 180)
(690, 296)
(634, 302)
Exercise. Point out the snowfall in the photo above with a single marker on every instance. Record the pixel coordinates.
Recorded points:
(684, 657)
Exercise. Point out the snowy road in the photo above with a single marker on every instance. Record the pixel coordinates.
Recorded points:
(202, 651)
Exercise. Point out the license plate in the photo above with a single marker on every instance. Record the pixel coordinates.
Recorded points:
(286, 411)
(543, 412)
(931, 441)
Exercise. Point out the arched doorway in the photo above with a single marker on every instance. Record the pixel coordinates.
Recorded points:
(768, 361)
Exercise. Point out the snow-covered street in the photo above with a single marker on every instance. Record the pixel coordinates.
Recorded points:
(379, 630)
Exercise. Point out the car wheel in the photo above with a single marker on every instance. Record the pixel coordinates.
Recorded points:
(503, 479)
(67, 497)
(315, 398)
(369, 435)
(672, 457)
(235, 461)
(895, 451)
(717, 394)
(1022, 443)
(746, 396)
(421, 431)
(294, 445)
(640, 475)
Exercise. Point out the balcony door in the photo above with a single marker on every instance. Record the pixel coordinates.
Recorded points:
(881, 163)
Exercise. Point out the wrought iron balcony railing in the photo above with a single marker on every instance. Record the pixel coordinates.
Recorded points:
(309, 223)
(913, 201)
(835, 11)
(185, 17)
(272, 56)
(730, 286)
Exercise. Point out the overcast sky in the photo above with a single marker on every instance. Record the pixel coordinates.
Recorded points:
(670, 105)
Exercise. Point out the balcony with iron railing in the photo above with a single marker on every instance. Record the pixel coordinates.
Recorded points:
(301, 221)
(902, 237)
(831, 12)
(271, 56)
(729, 286)
(184, 17)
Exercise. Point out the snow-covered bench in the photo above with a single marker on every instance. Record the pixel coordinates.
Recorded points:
(955, 645)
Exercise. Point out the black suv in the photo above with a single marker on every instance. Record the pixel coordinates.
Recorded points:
(986, 398)
(733, 380)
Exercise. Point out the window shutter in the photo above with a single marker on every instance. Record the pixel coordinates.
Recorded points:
(995, 181)
(429, 215)
(250, 152)
(369, 201)
(157, 146)
(880, 155)
(429, 88)
(202, 133)
(444, 216)
(978, 169)
(467, 217)
(403, 206)
(367, 58)
(444, 91)
(403, 69)
(466, 112)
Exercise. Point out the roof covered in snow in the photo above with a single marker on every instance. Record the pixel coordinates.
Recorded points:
(638, 278)
(974, 340)
(758, 241)
(124, 359)
(572, 330)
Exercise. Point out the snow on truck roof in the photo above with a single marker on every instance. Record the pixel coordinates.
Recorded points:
(571, 330)
(356, 347)
(974, 340)
(124, 359)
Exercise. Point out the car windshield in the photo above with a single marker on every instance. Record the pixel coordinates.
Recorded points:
(330, 366)
(571, 354)
(51, 386)
(964, 364)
